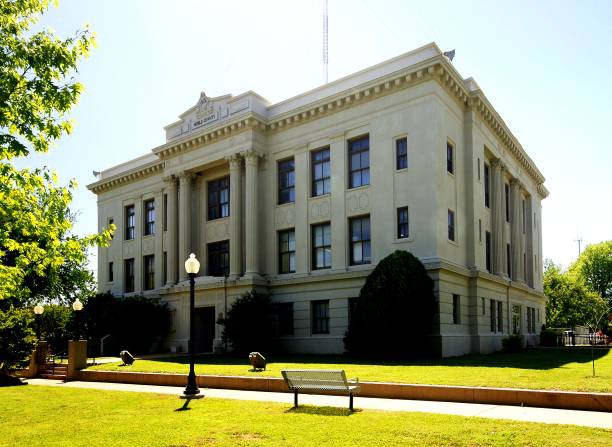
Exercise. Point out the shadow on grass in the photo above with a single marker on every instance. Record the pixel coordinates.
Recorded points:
(539, 359)
(6, 380)
(322, 411)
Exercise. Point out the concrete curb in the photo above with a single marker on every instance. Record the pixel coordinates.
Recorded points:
(497, 396)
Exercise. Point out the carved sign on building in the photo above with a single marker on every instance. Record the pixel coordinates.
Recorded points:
(205, 112)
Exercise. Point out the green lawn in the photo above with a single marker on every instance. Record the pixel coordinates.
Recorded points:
(553, 369)
(38, 415)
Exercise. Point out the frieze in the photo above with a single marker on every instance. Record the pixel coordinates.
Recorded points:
(319, 209)
(358, 202)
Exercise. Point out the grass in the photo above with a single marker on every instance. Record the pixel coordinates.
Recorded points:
(38, 415)
(551, 369)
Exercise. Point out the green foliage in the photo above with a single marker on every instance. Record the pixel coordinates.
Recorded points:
(595, 266)
(512, 343)
(137, 324)
(394, 313)
(570, 302)
(37, 87)
(17, 339)
(548, 338)
(248, 325)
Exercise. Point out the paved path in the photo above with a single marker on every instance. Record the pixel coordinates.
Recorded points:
(527, 414)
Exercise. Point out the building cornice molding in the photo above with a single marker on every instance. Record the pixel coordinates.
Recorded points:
(127, 177)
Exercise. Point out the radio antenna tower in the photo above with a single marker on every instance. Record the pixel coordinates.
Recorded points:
(579, 240)
(325, 41)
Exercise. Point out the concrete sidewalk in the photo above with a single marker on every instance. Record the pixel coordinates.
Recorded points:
(526, 414)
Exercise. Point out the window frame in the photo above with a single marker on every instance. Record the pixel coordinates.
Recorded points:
(111, 272)
(361, 170)
(289, 173)
(323, 247)
(129, 274)
(456, 308)
(507, 201)
(148, 207)
(214, 190)
(401, 159)
(319, 323)
(364, 242)
(148, 272)
(487, 185)
(289, 252)
(500, 317)
(452, 225)
(488, 252)
(314, 179)
(130, 222)
(450, 162)
(401, 223)
(216, 253)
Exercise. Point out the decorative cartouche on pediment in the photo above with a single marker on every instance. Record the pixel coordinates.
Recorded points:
(208, 111)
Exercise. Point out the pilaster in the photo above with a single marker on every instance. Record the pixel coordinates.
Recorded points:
(171, 236)
(235, 163)
(497, 218)
(251, 162)
(184, 236)
(339, 225)
(515, 224)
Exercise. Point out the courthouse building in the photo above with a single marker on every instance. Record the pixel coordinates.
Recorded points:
(301, 199)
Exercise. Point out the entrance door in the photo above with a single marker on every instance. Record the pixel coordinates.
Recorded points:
(204, 329)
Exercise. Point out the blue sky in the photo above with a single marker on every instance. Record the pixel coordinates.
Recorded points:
(544, 65)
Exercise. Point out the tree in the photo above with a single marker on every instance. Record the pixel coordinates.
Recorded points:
(249, 324)
(570, 302)
(39, 257)
(393, 315)
(594, 265)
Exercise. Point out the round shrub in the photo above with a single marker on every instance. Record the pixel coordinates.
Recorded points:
(394, 313)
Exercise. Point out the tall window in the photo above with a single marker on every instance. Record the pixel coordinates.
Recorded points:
(111, 272)
(478, 169)
(320, 317)
(500, 316)
(130, 222)
(508, 261)
(285, 318)
(128, 275)
(507, 201)
(149, 212)
(321, 246)
(165, 220)
(516, 319)
(402, 222)
(149, 272)
(286, 181)
(321, 172)
(360, 240)
(493, 310)
(401, 153)
(218, 258)
(286, 251)
(450, 158)
(487, 186)
(524, 216)
(451, 225)
(456, 309)
(165, 268)
(218, 198)
(359, 162)
(111, 221)
(488, 250)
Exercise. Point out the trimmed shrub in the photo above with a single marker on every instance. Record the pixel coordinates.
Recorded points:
(393, 315)
(17, 339)
(249, 324)
(513, 343)
(548, 337)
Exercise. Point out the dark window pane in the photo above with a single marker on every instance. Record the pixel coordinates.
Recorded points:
(321, 246)
(218, 198)
(286, 246)
(218, 258)
(360, 240)
(286, 181)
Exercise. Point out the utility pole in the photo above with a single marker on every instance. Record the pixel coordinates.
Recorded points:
(579, 240)
(325, 42)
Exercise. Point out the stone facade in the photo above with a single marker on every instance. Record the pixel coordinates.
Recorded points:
(469, 193)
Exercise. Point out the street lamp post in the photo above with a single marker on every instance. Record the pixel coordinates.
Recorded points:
(38, 310)
(192, 266)
(77, 306)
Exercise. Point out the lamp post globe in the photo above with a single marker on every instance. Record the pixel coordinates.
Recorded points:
(77, 306)
(38, 311)
(192, 267)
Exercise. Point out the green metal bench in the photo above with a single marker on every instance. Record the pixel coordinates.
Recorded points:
(320, 380)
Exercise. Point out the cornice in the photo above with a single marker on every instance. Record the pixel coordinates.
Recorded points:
(127, 177)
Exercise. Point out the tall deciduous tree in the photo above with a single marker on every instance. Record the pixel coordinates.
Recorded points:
(39, 257)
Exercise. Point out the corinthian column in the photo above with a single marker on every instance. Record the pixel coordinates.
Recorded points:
(171, 237)
(235, 218)
(497, 218)
(515, 244)
(185, 206)
(251, 161)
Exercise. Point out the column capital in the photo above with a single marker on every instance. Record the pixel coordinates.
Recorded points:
(234, 160)
(170, 180)
(516, 183)
(251, 157)
(497, 163)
